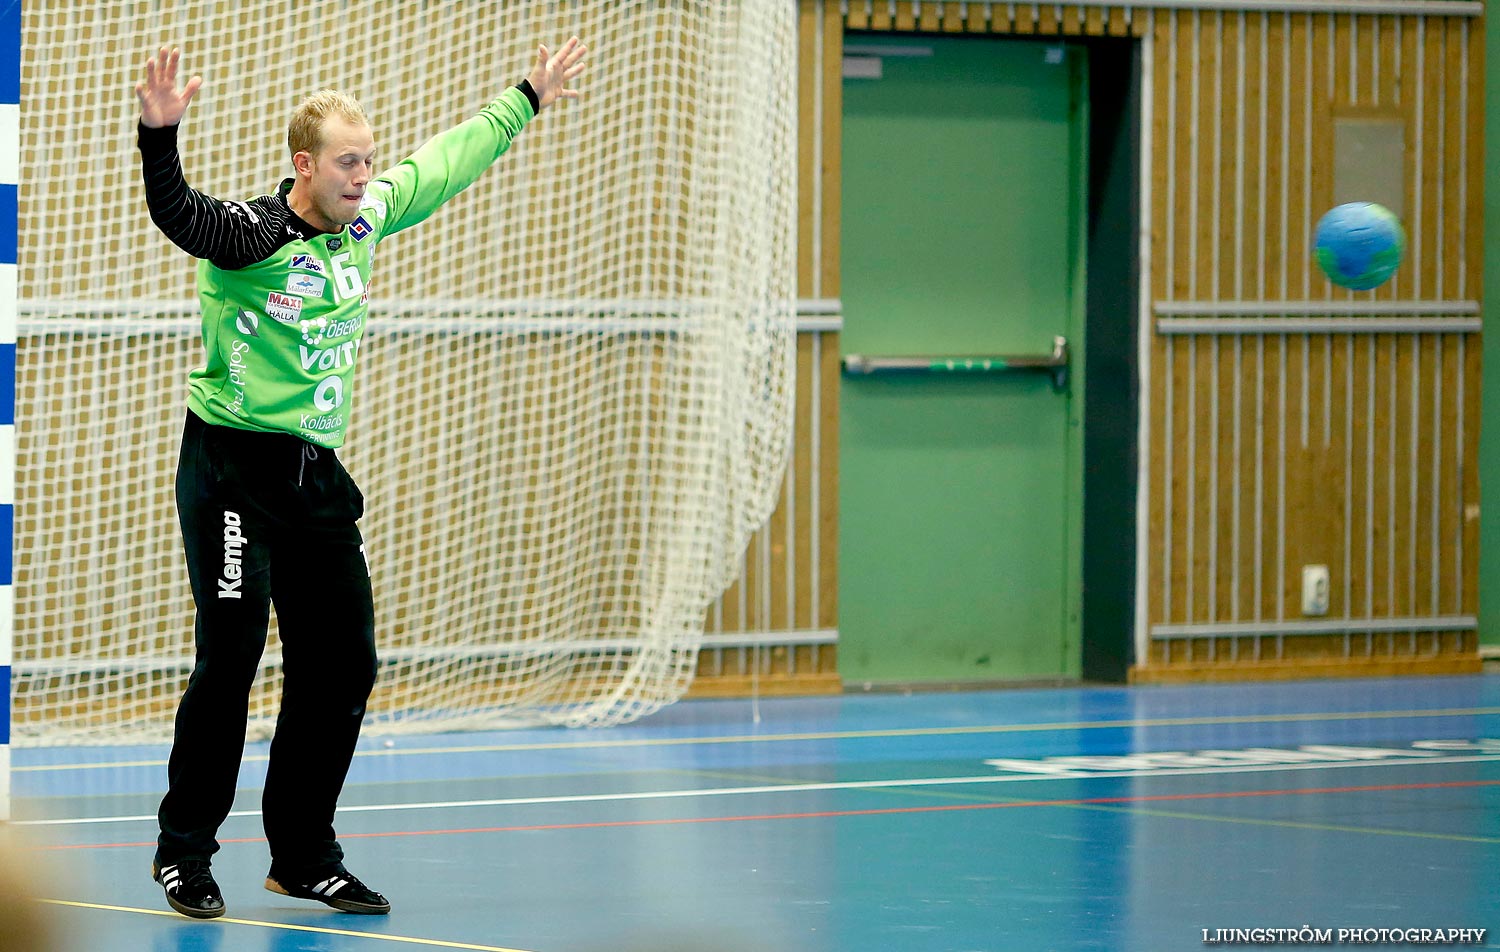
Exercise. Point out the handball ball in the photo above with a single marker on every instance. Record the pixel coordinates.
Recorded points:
(1359, 244)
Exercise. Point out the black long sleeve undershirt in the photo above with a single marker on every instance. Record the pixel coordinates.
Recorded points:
(232, 235)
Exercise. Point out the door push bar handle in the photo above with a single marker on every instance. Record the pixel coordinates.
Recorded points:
(1055, 364)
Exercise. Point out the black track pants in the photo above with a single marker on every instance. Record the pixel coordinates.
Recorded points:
(269, 519)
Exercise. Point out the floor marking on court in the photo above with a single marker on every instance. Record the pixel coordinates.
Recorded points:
(956, 807)
(410, 940)
(815, 787)
(807, 788)
(1292, 824)
(583, 745)
(1217, 818)
(873, 811)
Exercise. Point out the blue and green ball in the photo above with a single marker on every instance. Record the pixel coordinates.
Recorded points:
(1359, 245)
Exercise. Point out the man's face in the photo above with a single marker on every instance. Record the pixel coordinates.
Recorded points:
(338, 173)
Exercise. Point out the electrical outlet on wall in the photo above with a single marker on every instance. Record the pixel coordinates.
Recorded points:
(1314, 589)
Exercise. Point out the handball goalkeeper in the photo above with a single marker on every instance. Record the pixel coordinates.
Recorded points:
(268, 513)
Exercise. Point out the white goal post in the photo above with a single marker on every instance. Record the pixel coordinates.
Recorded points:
(10, 129)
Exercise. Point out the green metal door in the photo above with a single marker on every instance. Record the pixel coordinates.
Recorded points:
(960, 491)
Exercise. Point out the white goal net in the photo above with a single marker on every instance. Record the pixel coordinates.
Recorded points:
(575, 386)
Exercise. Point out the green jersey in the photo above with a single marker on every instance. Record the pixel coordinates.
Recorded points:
(284, 304)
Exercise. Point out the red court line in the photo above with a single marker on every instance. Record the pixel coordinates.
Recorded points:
(883, 811)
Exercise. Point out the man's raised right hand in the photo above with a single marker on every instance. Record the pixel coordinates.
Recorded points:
(162, 103)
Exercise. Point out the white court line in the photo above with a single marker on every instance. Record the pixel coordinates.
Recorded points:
(572, 745)
(815, 787)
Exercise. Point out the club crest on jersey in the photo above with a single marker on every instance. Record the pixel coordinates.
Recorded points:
(307, 263)
(283, 308)
(305, 285)
(248, 323)
(360, 229)
(335, 243)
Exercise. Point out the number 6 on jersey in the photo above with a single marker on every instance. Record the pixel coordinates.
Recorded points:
(346, 280)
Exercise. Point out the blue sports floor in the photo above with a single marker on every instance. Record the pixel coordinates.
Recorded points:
(1022, 820)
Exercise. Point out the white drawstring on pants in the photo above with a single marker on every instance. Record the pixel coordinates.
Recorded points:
(309, 452)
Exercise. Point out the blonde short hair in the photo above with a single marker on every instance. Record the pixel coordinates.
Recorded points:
(305, 133)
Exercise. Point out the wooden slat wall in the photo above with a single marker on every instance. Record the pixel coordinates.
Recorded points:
(1266, 451)
(1272, 451)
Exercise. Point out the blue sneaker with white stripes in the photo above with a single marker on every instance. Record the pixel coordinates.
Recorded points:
(332, 885)
(190, 888)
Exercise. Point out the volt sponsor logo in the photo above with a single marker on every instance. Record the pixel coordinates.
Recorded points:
(328, 358)
(234, 547)
(329, 393)
(283, 308)
(307, 263)
(360, 229)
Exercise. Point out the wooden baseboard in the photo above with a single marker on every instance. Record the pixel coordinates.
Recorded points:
(1304, 668)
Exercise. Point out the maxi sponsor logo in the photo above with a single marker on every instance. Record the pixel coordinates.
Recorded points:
(1207, 761)
(283, 308)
